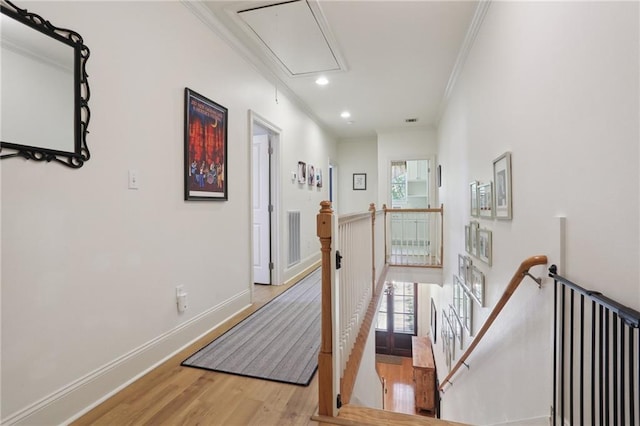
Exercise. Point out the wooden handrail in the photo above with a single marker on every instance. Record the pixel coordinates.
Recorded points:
(352, 217)
(396, 210)
(508, 292)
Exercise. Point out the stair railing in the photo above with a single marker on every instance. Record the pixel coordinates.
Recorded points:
(518, 276)
(596, 357)
(351, 260)
(413, 237)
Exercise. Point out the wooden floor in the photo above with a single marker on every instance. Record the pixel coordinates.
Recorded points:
(400, 388)
(176, 395)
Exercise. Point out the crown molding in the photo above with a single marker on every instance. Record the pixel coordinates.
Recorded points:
(463, 53)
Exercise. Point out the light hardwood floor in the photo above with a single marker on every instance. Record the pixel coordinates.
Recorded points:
(400, 387)
(176, 395)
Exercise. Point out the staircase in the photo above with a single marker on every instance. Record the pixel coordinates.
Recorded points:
(351, 415)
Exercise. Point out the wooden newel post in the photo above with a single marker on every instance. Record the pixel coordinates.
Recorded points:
(326, 401)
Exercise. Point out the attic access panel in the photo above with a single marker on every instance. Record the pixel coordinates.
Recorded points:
(290, 32)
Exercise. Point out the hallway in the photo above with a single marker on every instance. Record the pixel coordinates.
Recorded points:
(173, 394)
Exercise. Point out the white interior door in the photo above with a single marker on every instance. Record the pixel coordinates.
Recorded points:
(261, 221)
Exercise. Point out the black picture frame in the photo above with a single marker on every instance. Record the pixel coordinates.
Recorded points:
(359, 181)
(35, 148)
(205, 148)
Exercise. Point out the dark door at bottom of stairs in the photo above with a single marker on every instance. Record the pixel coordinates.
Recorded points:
(396, 322)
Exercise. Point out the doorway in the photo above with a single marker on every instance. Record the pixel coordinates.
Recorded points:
(397, 319)
(264, 142)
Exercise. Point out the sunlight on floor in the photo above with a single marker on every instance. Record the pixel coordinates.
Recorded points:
(400, 391)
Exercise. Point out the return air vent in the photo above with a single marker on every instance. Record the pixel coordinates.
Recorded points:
(293, 221)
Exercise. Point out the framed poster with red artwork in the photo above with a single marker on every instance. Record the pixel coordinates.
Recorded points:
(205, 148)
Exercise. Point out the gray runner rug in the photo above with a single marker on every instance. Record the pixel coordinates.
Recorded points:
(278, 342)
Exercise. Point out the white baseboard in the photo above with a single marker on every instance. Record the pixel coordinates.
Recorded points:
(535, 421)
(300, 270)
(77, 398)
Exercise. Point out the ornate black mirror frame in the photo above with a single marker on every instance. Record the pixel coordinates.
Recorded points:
(81, 113)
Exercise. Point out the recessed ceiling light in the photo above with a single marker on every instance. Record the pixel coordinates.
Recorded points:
(322, 81)
(345, 114)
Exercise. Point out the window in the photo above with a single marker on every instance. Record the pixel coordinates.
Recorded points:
(398, 183)
(410, 184)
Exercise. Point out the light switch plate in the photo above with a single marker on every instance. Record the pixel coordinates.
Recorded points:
(134, 179)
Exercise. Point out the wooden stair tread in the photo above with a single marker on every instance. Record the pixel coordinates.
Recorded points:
(352, 415)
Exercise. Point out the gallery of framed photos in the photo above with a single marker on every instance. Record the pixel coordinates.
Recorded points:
(488, 201)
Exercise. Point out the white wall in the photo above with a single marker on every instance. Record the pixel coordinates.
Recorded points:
(317, 147)
(90, 267)
(357, 156)
(367, 389)
(414, 144)
(555, 83)
(424, 309)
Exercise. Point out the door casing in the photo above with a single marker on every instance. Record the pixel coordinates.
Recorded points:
(275, 184)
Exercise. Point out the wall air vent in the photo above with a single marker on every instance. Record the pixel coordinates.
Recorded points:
(293, 225)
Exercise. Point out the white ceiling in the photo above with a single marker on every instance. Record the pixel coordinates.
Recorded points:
(394, 59)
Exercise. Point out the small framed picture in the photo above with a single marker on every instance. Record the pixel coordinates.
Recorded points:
(467, 316)
(458, 293)
(311, 175)
(302, 172)
(485, 200)
(467, 241)
(473, 237)
(477, 285)
(434, 321)
(484, 246)
(359, 181)
(462, 267)
(319, 177)
(454, 331)
(439, 176)
(502, 179)
(468, 264)
(447, 338)
(473, 199)
(457, 324)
